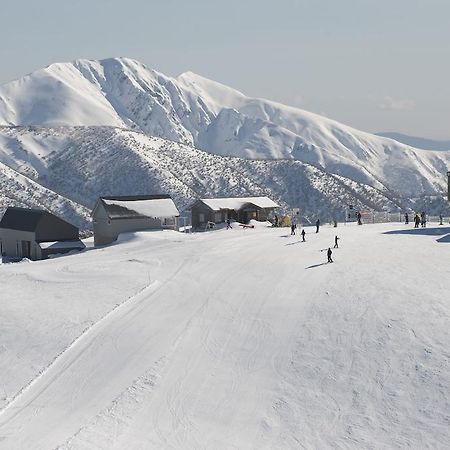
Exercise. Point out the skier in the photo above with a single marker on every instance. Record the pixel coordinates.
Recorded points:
(276, 220)
(329, 253)
(358, 216)
(303, 235)
(406, 219)
(317, 225)
(416, 220)
(423, 219)
(441, 220)
(292, 229)
(229, 224)
(336, 245)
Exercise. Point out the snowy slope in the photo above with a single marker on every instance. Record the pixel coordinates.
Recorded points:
(18, 190)
(87, 162)
(193, 110)
(293, 353)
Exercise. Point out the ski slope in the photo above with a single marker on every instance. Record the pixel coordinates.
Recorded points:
(231, 340)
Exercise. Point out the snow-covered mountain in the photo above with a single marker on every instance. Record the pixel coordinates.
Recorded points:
(199, 112)
(82, 163)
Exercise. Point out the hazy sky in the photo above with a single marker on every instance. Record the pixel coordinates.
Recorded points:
(378, 65)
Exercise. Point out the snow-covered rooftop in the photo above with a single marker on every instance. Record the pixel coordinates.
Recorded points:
(160, 207)
(236, 203)
(61, 244)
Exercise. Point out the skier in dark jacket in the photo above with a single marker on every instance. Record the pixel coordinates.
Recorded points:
(358, 216)
(406, 219)
(329, 253)
(293, 229)
(317, 225)
(423, 219)
(303, 235)
(336, 245)
(229, 224)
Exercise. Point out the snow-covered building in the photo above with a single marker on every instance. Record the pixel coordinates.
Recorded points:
(114, 215)
(35, 234)
(242, 209)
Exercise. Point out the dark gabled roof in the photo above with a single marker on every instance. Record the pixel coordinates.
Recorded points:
(45, 225)
(23, 219)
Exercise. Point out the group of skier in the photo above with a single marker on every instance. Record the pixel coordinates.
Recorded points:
(419, 219)
(277, 223)
(303, 234)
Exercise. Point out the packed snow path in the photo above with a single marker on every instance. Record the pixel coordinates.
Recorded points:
(234, 339)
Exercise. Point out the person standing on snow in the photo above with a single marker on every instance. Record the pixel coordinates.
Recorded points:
(292, 229)
(303, 235)
(423, 219)
(416, 220)
(329, 253)
(358, 216)
(336, 245)
(229, 224)
(406, 219)
(317, 225)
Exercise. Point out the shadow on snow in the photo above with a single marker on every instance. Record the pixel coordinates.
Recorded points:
(440, 231)
(317, 265)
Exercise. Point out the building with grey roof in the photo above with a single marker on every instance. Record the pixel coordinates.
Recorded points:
(112, 216)
(35, 234)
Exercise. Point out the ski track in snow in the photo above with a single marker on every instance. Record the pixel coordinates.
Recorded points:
(238, 345)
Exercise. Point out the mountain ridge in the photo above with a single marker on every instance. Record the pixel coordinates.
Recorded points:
(417, 142)
(139, 163)
(190, 110)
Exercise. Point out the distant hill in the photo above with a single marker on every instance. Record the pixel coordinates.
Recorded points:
(85, 162)
(417, 142)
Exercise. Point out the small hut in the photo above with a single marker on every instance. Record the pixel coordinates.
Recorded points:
(115, 215)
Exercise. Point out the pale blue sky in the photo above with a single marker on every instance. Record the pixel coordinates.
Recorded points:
(377, 65)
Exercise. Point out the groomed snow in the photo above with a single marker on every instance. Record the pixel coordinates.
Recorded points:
(231, 339)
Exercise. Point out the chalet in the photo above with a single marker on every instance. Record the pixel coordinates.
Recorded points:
(35, 234)
(114, 215)
(241, 209)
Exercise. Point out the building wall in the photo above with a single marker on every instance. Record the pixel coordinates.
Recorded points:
(11, 244)
(201, 215)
